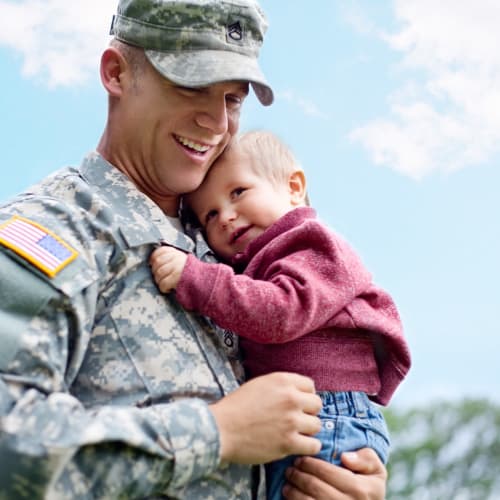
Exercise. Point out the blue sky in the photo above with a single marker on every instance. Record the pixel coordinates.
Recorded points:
(393, 108)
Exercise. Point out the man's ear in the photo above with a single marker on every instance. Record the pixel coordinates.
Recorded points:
(297, 187)
(113, 67)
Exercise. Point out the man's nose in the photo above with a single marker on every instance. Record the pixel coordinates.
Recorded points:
(214, 115)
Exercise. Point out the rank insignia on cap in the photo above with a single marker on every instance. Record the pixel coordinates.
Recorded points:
(36, 244)
(235, 31)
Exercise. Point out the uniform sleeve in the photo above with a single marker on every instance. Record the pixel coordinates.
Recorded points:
(302, 282)
(50, 444)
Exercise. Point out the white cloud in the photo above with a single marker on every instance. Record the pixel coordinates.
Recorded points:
(354, 15)
(447, 115)
(309, 108)
(59, 41)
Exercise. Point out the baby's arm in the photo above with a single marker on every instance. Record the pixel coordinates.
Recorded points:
(167, 264)
(290, 295)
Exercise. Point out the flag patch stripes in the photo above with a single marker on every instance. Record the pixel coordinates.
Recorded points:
(44, 249)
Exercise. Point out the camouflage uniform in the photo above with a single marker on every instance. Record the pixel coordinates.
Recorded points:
(104, 381)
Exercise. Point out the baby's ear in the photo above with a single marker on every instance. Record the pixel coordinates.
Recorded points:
(297, 187)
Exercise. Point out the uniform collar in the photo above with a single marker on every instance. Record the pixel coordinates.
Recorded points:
(140, 220)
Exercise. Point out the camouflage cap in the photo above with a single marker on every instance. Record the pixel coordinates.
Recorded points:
(197, 42)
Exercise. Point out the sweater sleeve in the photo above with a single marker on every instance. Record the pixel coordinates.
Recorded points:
(375, 311)
(300, 280)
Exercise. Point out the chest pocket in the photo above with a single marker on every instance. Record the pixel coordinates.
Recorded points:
(145, 348)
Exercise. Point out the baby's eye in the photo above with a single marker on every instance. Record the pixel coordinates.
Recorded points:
(237, 192)
(210, 215)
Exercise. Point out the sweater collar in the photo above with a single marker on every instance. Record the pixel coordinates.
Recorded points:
(286, 222)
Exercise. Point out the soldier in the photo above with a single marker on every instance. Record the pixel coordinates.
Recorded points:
(109, 389)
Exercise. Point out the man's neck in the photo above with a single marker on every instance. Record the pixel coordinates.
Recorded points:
(169, 204)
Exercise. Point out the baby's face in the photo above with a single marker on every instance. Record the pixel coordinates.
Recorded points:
(235, 204)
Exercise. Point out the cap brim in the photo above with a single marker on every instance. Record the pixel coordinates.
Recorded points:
(206, 67)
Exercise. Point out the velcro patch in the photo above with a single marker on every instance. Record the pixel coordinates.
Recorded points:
(44, 249)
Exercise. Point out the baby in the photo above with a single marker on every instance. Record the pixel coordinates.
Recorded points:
(294, 291)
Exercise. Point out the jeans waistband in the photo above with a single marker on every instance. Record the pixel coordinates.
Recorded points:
(349, 403)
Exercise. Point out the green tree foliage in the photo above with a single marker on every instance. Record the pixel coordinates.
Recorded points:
(447, 451)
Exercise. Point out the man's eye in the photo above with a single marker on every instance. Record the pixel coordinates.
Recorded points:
(234, 101)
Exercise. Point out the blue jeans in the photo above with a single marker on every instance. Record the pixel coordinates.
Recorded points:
(349, 421)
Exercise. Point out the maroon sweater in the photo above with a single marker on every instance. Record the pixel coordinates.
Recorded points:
(304, 303)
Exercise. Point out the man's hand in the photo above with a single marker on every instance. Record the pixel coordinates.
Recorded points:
(268, 418)
(363, 478)
(167, 264)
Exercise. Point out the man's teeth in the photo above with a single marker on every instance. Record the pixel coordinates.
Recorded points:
(201, 148)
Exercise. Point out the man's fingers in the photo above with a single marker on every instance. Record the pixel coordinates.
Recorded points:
(322, 470)
(364, 461)
(304, 390)
(267, 418)
(312, 425)
(322, 480)
(312, 405)
(302, 383)
(304, 485)
(304, 444)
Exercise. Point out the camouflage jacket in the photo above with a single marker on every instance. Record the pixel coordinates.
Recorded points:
(104, 382)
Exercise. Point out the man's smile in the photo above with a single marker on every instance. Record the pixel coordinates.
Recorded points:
(198, 147)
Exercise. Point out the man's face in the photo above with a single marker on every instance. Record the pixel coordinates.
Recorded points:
(173, 134)
(236, 204)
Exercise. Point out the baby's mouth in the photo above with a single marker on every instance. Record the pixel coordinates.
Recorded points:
(238, 233)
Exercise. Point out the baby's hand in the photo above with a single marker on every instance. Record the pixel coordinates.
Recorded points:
(167, 264)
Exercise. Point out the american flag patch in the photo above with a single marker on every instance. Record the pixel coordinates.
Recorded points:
(36, 244)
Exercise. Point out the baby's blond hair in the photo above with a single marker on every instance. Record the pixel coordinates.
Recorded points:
(270, 156)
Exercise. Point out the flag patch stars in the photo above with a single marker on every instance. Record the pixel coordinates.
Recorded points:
(39, 246)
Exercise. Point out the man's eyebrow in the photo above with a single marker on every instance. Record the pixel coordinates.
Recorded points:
(244, 87)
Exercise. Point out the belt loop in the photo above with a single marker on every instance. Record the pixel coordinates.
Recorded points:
(360, 404)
